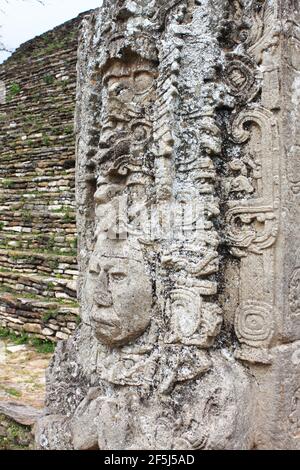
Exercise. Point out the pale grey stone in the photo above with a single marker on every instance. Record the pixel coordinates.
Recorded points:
(190, 325)
(23, 414)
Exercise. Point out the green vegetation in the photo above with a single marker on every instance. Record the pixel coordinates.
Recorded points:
(29, 118)
(12, 336)
(13, 392)
(19, 111)
(48, 79)
(57, 131)
(27, 216)
(64, 83)
(69, 130)
(14, 436)
(69, 217)
(41, 346)
(49, 46)
(13, 91)
(50, 243)
(53, 264)
(7, 183)
(31, 123)
(46, 140)
(51, 314)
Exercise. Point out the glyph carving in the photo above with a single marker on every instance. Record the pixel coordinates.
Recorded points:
(241, 75)
(192, 321)
(251, 229)
(254, 326)
(294, 293)
(252, 222)
(252, 219)
(265, 29)
(180, 176)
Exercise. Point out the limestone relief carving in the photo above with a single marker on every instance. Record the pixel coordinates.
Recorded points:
(263, 137)
(245, 171)
(295, 414)
(253, 221)
(192, 321)
(148, 288)
(241, 75)
(179, 218)
(294, 297)
(251, 229)
(118, 293)
(254, 326)
(292, 61)
(265, 29)
(124, 162)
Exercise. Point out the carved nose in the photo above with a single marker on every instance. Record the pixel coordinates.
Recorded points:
(103, 296)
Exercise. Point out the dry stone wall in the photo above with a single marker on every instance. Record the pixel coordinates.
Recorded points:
(38, 266)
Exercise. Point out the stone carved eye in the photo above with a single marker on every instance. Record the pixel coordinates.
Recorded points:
(120, 89)
(118, 277)
(143, 82)
(114, 87)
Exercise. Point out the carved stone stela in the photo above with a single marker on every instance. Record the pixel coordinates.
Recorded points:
(187, 209)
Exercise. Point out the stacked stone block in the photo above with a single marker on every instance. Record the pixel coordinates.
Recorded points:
(38, 247)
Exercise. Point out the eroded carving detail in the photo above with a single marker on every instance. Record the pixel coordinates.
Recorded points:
(252, 185)
(118, 293)
(241, 75)
(294, 293)
(254, 326)
(295, 414)
(192, 321)
(155, 365)
(251, 229)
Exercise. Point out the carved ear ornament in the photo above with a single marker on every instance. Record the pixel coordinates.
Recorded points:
(242, 76)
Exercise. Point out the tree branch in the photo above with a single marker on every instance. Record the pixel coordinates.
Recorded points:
(3, 48)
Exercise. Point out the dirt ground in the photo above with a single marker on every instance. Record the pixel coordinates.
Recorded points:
(22, 374)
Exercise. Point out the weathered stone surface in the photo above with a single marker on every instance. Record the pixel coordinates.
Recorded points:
(22, 414)
(188, 205)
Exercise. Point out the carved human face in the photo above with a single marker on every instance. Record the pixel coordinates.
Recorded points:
(118, 297)
(127, 94)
